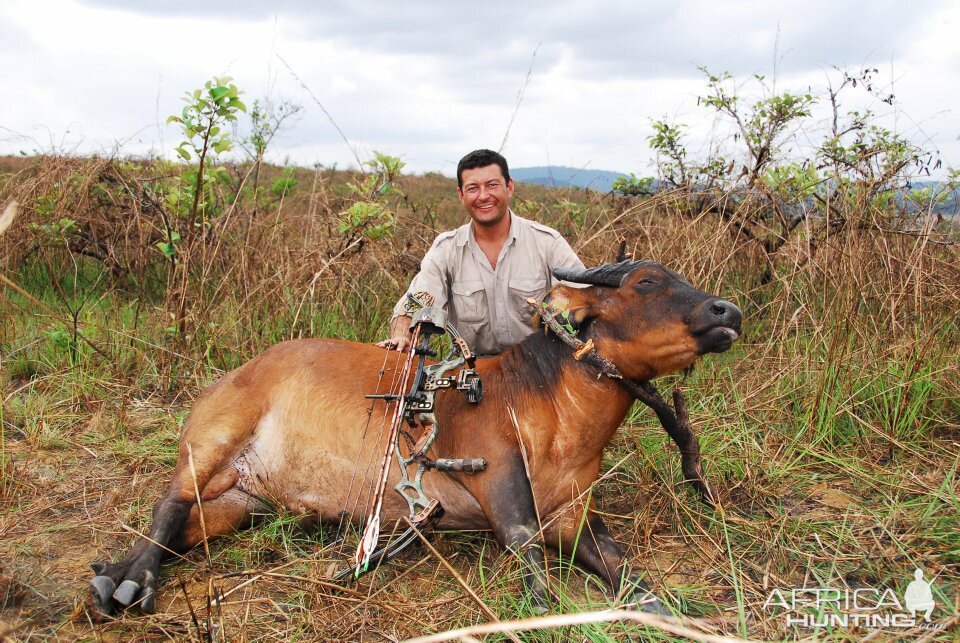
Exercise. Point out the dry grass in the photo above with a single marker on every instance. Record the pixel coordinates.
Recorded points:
(831, 432)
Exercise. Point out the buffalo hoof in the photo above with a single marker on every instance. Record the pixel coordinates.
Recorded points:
(539, 604)
(148, 596)
(131, 592)
(650, 604)
(117, 587)
(127, 591)
(639, 597)
(101, 592)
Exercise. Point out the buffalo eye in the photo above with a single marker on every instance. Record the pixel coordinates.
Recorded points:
(645, 285)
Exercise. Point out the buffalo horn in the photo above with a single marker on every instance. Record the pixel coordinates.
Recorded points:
(609, 274)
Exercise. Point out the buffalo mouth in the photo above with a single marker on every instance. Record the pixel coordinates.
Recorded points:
(715, 324)
(717, 339)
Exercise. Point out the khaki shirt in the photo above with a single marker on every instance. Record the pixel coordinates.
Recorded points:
(489, 306)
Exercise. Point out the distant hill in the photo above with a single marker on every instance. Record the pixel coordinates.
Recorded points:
(559, 176)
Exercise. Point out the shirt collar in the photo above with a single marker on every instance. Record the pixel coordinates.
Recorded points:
(511, 236)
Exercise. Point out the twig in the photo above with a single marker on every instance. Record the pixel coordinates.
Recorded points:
(193, 613)
(350, 595)
(37, 302)
(254, 576)
(324, 110)
(523, 89)
(383, 588)
(141, 534)
(196, 490)
(674, 626)
(443, 561)
(293, 577)
(213, 597)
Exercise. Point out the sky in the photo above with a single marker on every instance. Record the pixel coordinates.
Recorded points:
(564, 82)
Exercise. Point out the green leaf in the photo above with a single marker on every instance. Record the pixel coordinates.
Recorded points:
(184, 153)
(219, 92)
(166, 248)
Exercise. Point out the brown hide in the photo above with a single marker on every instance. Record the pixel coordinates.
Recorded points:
(296, 427)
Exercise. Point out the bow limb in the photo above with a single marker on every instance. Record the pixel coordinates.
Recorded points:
(372, 531)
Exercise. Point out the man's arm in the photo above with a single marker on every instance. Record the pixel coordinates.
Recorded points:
(563, 256)
(431, 279)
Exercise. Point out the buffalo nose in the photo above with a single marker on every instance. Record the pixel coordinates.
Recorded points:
(725, 313)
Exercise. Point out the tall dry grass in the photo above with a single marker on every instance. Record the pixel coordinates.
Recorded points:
(831, 432)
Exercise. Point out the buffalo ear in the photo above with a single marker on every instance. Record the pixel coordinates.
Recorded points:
(579, 304)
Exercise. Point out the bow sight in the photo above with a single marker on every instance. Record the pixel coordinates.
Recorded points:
(429, 379)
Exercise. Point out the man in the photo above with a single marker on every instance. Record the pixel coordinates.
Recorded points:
(483, 272)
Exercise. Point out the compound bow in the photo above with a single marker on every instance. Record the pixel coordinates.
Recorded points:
(415, 408)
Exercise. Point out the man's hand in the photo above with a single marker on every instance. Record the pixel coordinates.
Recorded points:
(399, 334)
(400, 343)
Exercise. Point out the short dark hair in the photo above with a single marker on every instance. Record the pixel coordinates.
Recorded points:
(482, 158)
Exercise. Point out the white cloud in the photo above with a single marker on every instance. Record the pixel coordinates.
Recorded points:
(430, 81)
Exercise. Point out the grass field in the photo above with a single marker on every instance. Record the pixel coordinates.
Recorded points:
(830, 432)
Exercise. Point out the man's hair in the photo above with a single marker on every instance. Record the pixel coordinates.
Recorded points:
(481, 158)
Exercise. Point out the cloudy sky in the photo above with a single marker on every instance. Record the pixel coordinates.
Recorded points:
(429, 81)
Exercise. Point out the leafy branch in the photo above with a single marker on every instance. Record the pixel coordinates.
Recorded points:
(202, 121)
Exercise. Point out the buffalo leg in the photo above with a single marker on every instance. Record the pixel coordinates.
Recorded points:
(512, 516)
(597, 552)
(200, 465)
(676, 422)
(176, 528)
(134, 576)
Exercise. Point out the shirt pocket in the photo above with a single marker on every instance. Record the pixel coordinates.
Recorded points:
(469, 301)
(522, 289)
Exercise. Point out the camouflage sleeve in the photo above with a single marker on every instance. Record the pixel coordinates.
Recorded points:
(432, 278)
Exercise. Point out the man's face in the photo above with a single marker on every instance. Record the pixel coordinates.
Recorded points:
(486, 194)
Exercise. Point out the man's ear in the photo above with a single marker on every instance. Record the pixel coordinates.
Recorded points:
(579, 304)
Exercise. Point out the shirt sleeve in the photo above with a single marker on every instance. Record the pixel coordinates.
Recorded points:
(432, 278)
